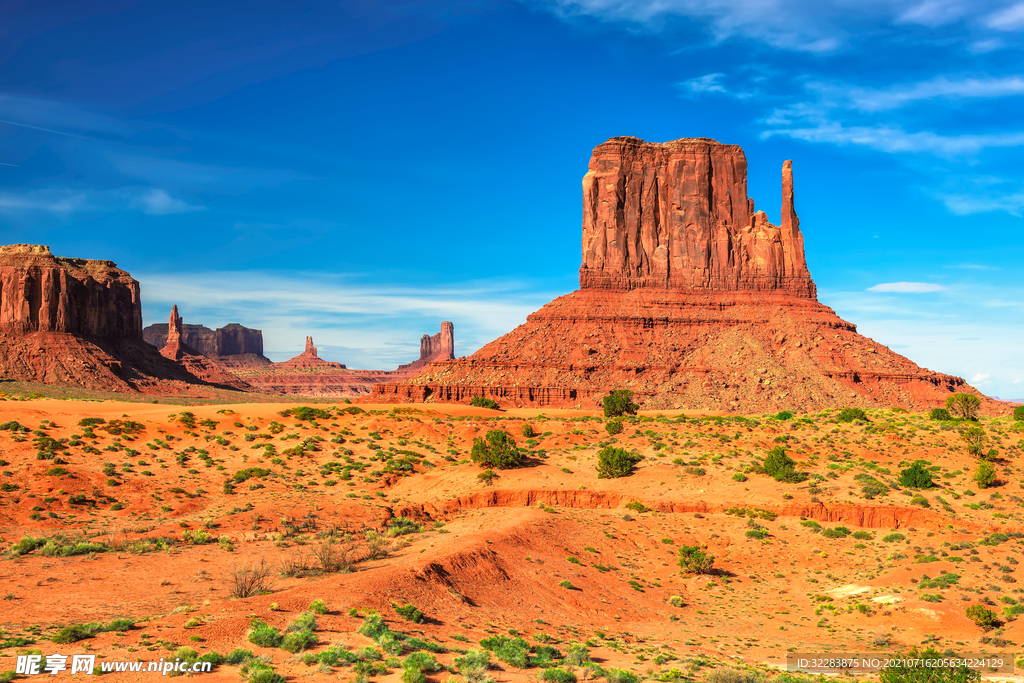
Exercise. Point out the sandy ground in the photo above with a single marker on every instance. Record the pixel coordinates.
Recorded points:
(548, 552)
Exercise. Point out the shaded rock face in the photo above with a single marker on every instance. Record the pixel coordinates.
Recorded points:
(689, 298)
(196, 363)
(40, 292)
(677, 216)
(231, 340)
(78, 322)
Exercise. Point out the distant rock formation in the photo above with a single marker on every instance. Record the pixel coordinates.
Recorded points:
(78, 322)
(231, 346)
(196, 363)
(308, 375)
(439, 347)
(308, 359)
(688, 297)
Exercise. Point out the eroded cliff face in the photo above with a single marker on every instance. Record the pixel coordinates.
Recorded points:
(440, 346)
(231, 340)
(688, 297)
(78, 322)
(676, 215)
(40, 292)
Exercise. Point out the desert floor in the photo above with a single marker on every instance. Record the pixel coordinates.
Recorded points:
(153, 515)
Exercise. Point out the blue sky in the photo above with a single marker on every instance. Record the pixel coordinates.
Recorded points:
(360, 171)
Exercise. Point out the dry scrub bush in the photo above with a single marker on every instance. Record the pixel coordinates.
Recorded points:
(731, 676)
(250, 580)
(332, 556)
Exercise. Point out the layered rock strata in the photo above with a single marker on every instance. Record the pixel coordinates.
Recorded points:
(689, 297)
(196, 363)
(78, 322)
(233, 345)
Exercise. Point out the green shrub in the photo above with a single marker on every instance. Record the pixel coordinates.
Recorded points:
(409, 613)
(297, 641)
(496, 450)
(73, 634)
(974, 437)
(940, 414)
(739, 476)
(784, 415)
(781, 467)
(481, 402)
(963, 406)
(693, 560)
(619, 402)
(238, 656)
(249, 473)
(621, 676)
(527, 431)
(915, 668)
(836, 532)
(862, 535)
(373, 626)
(893, 538)
(558, 675)
(985, 474)
(1018, 413)
(616, 462)
(264, 635)
(303, 413)
(916, 477)
(318, 606)
(983, 617)
(613, 427)
(851, 415)
(473, 665)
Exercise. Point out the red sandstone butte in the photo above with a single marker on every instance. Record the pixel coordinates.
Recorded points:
(230, 346)
(690, 298)
(196, 363)
(77, 322)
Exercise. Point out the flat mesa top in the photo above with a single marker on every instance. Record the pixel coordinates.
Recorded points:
(23, 255)
(629, 140)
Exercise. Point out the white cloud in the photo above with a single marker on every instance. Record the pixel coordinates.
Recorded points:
(155, 202)
(894, 140)
(61, 202)
(962, 205)
(894, 97)
(713, 84)
(800, 25)
(1016, 381)
(980, 378)
(1009, 19)
(908, 287)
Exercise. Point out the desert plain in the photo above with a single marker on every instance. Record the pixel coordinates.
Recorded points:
(134, 531)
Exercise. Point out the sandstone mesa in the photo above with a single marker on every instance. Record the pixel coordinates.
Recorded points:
(689, 297)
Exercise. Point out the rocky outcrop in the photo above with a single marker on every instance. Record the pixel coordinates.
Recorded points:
(196, 363)
(40, 292)
(677, 216)
(78, 322)
(308, 359)
(438, 347)
(308, 375)
(231, 346)
(688, 297)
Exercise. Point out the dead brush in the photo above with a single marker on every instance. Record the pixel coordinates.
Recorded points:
(249, 580)
(332, 556)
(726, 675)
(292, 566)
